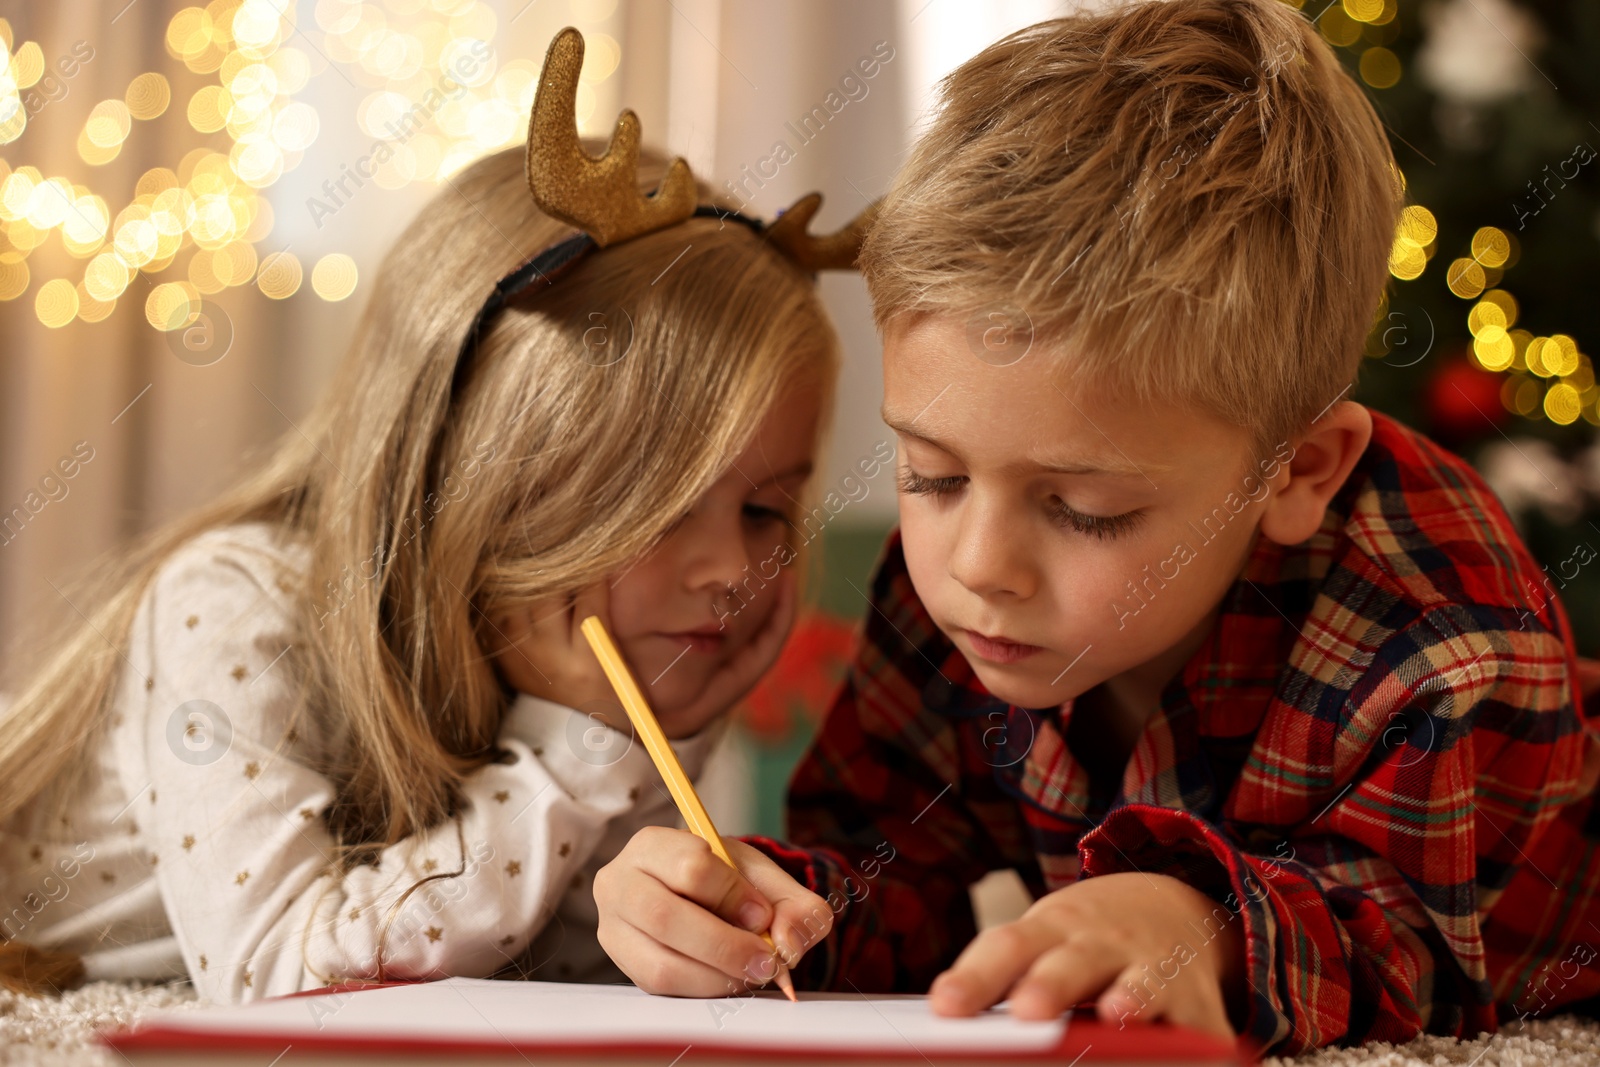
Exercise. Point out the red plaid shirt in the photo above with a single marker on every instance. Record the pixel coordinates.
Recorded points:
(1379, 759)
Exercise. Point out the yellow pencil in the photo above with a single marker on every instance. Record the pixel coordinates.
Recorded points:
(666, 760)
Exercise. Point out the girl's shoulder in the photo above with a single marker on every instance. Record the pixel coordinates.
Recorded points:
(267, 555)
(221, 608)
(260, 536)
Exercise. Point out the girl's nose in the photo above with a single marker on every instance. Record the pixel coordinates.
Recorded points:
(714, 555)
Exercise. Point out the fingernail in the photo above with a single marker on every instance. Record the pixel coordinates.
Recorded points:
(752, 916)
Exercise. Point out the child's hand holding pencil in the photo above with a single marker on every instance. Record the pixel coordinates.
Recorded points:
(679, 913)
(681, 922)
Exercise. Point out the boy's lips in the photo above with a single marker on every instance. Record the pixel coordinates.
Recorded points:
(999, 649)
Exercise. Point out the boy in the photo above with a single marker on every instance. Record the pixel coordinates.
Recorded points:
(1246, 681)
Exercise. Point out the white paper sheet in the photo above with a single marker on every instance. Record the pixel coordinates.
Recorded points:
(474, 1009)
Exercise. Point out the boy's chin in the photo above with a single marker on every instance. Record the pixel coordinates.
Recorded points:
(1020, 686)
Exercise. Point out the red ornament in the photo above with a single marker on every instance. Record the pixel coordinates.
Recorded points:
(802, 683)
(1462, 400)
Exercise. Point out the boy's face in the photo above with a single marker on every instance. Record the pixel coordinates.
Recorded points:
(1027, 507)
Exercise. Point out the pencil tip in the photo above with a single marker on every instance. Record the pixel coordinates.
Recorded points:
(787, 985)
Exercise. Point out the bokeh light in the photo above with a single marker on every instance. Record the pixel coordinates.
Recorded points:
(1379, 67)
(435, 96)
(280, 275)
(334, 276)
(1561, 404)
(13, 278)
(56, 303)
(109, 124)
(1413, 242)
(148, 96)
(1491, 246)
(171, 306)
(1465, 278)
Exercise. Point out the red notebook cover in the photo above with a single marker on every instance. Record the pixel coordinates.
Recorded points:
(174, 1038)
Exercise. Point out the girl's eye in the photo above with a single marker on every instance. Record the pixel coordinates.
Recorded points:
(912, 482)
(1103, 527)
(766, 516)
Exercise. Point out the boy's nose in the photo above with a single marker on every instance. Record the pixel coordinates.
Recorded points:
(990, 556)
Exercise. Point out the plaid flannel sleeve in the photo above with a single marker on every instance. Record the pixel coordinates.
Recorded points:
(1410, 804)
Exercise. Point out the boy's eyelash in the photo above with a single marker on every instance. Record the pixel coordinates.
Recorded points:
(1102, 527)
(912, 482)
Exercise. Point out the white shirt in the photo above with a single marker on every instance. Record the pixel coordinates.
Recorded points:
(199, 848)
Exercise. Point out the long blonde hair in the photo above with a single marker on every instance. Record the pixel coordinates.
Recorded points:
(584, 454)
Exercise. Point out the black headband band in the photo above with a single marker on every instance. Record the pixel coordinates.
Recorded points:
(547, 267)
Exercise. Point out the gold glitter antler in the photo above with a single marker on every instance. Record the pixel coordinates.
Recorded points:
(599, 196)
(834, 251)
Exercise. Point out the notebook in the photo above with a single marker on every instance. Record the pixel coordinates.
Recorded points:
(469, 1021)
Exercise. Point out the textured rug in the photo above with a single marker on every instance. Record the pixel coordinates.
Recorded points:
(59, 1032)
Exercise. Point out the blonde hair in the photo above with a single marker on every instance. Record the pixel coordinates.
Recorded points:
(584, 460)
(1192, 193)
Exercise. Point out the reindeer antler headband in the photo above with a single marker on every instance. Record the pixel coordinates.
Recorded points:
(601, 197)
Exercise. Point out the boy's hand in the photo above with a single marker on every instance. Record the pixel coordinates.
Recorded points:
(680, 922)
(1099, 936)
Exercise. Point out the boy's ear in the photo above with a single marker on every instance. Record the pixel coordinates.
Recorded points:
(1321, 462)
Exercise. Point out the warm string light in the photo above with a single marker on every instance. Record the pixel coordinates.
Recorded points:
(1547, 377)
(20, 68)
(208, 206)
(1414, 242)
(439, 99)
(334, 276)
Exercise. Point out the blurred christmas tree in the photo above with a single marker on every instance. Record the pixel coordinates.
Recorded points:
(1481, 341)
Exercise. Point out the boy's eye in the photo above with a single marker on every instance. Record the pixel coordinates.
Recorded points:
(912, 482)
(1103, 527)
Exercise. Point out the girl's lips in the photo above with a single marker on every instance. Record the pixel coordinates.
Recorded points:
(999, 650)
(698, 642)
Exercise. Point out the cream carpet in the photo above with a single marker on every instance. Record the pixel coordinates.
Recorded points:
(58, 1032)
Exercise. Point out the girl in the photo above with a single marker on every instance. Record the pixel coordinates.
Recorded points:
(340, 723)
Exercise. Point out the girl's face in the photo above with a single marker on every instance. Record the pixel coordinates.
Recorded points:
(672, 612)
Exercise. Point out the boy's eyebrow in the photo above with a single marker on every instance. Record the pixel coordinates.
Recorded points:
(1126, 469)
